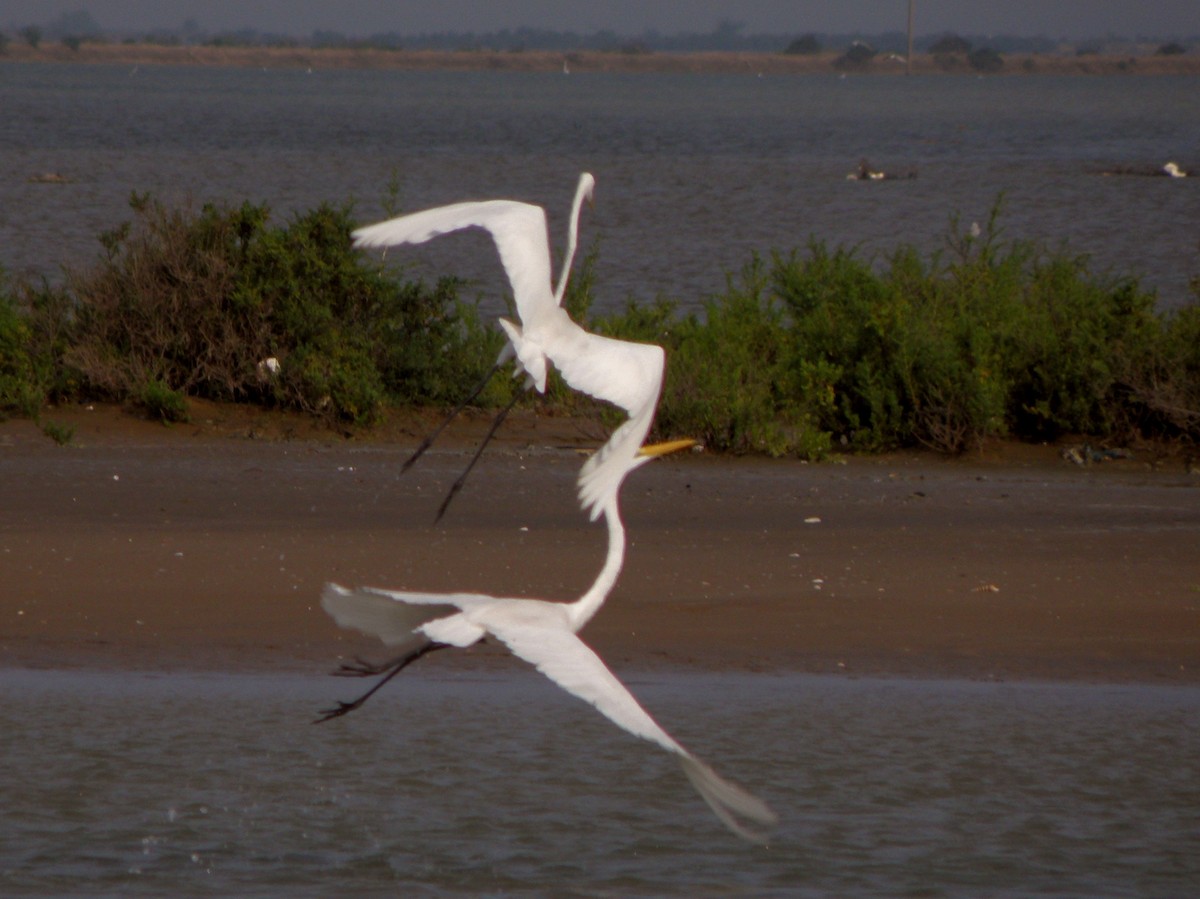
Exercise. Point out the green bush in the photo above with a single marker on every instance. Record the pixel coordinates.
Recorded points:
(20, 392)
(801, 352)
(998, 339)
(1164, 382)
(35, 328)
(735, 382)
(60, 433)
(163, 403)
(198, 302)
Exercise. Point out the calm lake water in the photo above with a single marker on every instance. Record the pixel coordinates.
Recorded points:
(496, 783)
(696, 172)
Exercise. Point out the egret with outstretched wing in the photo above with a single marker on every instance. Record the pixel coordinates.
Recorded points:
(543, 633)
(627, 374)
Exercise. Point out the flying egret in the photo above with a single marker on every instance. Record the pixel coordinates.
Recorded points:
(543, 633)
(545, 334)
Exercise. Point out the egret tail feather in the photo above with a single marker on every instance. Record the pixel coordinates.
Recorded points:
(730, 803)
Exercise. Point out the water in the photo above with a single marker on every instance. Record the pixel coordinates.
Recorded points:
(496, 783)
(696, 172)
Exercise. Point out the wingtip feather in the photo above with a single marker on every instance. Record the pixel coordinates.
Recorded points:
(730, 803)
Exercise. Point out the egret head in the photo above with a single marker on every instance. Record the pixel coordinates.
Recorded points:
(587, 188)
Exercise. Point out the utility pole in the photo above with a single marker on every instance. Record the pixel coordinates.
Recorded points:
(908, 58)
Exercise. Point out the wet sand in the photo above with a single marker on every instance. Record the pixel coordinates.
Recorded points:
(205, 546)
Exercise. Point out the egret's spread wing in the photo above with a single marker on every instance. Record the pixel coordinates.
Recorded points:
(393, 618)
(628, 374)
(518, 229)
(570, 663)
(620, 372)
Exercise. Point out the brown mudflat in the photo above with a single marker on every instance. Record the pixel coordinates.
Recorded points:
(205, 546)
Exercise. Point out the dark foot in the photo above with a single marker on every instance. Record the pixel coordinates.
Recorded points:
(361, 668)
(337, 711)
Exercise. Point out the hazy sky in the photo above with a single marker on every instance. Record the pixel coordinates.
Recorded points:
(1029, 18)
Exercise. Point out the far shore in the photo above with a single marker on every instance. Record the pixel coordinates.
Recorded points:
(578, 61)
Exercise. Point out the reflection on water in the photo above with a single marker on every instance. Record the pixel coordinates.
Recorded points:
(464, 784)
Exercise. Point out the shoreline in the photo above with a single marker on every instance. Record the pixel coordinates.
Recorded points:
(582, 61)
(204, 547)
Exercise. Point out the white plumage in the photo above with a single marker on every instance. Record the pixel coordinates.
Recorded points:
(541, 632)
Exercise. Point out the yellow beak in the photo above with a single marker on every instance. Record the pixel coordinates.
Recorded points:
(670, 446)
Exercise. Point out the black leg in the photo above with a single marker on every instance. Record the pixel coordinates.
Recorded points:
(363, 669)
(433, 435)
(462, 478)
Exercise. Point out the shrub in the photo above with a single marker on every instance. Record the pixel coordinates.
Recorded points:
(950, 44)
(35, 328)
(986, 338)
(985, 59)
(856, 58)
(1164, 382)
(20, 391)
(997, 338)
(198, 302)
(60, 433)
(163, 403)
(805, 45)
(731, 381)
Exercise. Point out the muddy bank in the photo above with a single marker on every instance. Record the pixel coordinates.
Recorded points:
(205, 546)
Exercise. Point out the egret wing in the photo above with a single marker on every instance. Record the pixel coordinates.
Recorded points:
(518, 230)
(629, 375)
(393, 618)
(570, 663)
(621, 372)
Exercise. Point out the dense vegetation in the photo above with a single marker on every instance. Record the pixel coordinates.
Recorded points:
(802, 352)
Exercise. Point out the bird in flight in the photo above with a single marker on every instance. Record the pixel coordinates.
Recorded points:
(543, 633)
(616, 371)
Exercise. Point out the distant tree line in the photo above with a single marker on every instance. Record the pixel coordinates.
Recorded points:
(74, 28)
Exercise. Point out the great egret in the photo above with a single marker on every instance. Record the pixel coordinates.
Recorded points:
(543, 633)
(545, 335)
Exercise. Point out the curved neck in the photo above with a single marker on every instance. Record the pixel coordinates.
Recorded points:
(572, 242)
(582, 610)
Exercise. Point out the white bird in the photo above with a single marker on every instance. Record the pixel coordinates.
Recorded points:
(543, 633)
(1173, 171)
(620, 372)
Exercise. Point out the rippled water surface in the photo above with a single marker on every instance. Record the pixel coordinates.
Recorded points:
(696, 172)
(499, 784)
